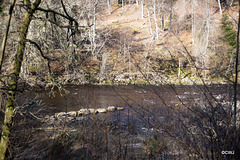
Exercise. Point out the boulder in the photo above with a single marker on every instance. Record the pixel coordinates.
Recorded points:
(60, 114)
(101, 110)
(120, 108)
(92, 111)
(72, 113)
(111, 109)
(83, 111)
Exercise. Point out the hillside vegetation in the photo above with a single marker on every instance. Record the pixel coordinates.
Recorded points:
(159, 42)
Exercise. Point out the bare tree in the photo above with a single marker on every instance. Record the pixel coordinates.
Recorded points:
(170, 16)
(220, 8)
(193, 20)
(6, 33)
(155, 19)
(109, 7)
(235, 83)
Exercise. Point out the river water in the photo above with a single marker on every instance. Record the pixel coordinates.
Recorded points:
(125, 96)
(148, 112)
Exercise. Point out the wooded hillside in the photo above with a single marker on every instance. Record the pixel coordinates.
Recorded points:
(116, 38)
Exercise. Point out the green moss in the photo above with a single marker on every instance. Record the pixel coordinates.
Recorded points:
(230, 35)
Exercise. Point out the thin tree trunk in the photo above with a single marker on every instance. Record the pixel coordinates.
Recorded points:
(6, 34)
(109, 7)
(220, 8)
(137, 2)
(94, 27)
(227, 4)
(142, 9)
(193, 21)
(162, 21)
(170, 19)
(231, 3)
(179, 68)
(150, 24)
(9, 111)
(235, 84)
(129, 60)
(155, 19)
(204, 58)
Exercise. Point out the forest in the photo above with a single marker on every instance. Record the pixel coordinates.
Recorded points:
(119, 79)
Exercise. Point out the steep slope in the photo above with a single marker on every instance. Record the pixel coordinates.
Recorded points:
(195, 34)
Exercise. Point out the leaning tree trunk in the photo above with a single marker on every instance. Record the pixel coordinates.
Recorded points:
(6, 33)
(9, 110)
(236, 138)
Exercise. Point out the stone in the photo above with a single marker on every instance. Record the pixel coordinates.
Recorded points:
(101, 110)
(120, 108)
(111, 109)
(92, 111)
(60, 114)
(72, 113)
(83, 112)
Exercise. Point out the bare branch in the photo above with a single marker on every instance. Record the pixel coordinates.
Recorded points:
(44, 57)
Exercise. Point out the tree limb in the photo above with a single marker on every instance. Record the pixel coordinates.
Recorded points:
(6, 34)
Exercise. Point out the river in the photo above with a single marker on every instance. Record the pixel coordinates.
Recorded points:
(104, 96)
(149, 112)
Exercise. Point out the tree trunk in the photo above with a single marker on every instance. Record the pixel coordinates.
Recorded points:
(109, 7)
(6, 34)
(231, 3)
(220, 8)
(193, 21)
(170, 19)
(14, 80)
(142, 9)
(204, 56)
(155, 19)
(162, 19)
(94, 26)
(227, 4)
(235, 85)
(150, 25)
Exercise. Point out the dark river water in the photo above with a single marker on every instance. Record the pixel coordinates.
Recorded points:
(125, 96)
(148, 110)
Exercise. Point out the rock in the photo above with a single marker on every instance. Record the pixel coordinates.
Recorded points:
(60, 114)
(111, 109)
(92, 111)
(101, 110)
(83, 112)
(120, 108)
(72, 113)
